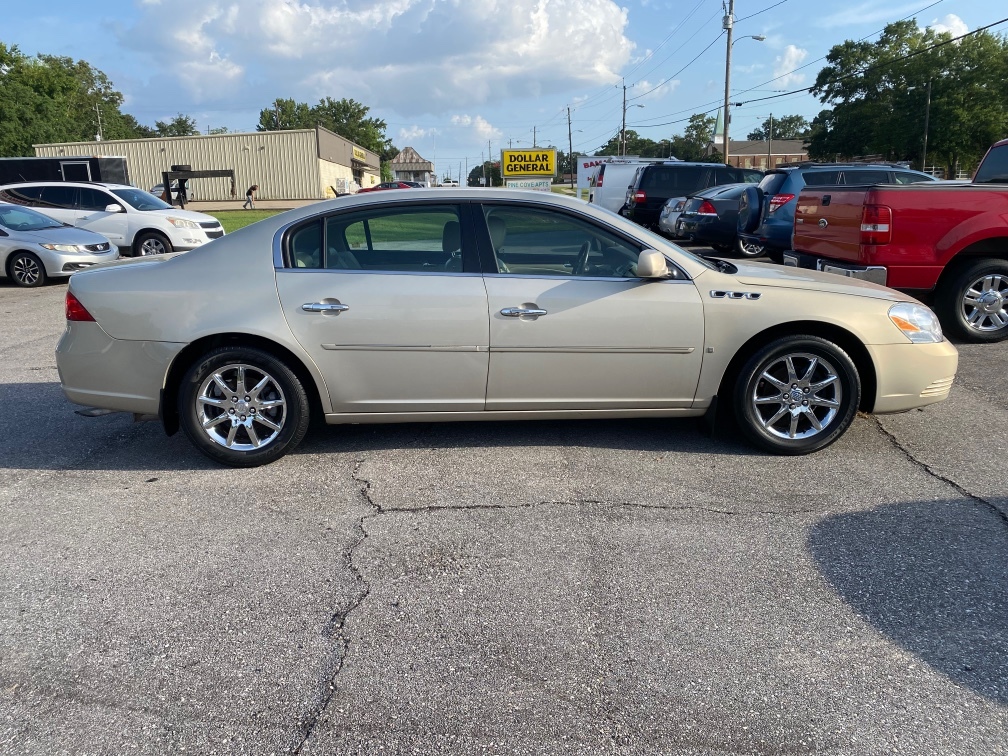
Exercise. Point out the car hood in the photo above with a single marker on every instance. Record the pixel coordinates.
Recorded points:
(186, 214)
(63, 235)
(786, 277)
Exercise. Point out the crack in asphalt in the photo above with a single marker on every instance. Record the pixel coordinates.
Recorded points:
(338, 620)
(1001, 514)
(602, 502)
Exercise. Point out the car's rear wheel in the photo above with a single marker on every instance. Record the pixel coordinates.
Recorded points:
(973, 302)
(25, 269)
(151, 243)
(797, 394)
(747, 248)
(243, 407)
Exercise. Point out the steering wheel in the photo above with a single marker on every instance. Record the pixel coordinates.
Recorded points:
(582, 259)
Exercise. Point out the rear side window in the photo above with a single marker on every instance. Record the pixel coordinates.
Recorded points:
(673, 180)
(305, 246)
(822, 178)
(860, 176)
(62, 197)
(905, 177)
(994, 168)
(411, 240)
(22, 195)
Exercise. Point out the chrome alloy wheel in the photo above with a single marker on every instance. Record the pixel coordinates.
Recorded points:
(797, 396)
(26, 270)
(152, 245)
(985, 303)
(241, 407)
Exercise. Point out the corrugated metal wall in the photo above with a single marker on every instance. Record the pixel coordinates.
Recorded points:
(285, 164)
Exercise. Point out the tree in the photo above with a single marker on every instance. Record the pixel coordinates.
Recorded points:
(785, 127)
(180, 125)
(694, 144)
(877, 96)
(348, 118)
(488, 168)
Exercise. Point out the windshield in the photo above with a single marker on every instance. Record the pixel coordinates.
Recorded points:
(22, 219)
(140, 200)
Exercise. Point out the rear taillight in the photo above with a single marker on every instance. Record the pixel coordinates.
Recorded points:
(778, 201)
(876, 224)
(598, 181)
(75, 310)
(640, 197)
(706, 208)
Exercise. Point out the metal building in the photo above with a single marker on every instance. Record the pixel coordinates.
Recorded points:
(287, 165)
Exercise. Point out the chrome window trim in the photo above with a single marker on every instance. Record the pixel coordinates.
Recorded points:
(354, 272)
(588, 278)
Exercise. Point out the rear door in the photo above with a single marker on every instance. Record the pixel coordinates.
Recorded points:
(58, 201)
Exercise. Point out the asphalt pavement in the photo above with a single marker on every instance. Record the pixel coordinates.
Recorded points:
(626, 587)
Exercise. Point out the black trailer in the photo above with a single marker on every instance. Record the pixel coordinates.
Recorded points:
(68, 168)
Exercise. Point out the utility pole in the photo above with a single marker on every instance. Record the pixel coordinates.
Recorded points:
(927, 117)
(570, 148)
(98, 136)
(727, 24)
(622, 134)
(490, 160)
(533, 137)
(769, 148)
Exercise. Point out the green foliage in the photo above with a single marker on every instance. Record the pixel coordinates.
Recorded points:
(232, 220)
(785, 127)
(348, 118)
(878, 97)
(492, 172)
(180, 125)
(693, 145)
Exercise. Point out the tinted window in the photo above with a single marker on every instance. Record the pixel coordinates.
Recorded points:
(425, 239)
(93, 199)
(533, 242)
(905, 177)
(22, 195)
(305, 246)
(865, 176)
(822, 178)
(673, 180)
(62, 197)
(772, 182)
(994, 168)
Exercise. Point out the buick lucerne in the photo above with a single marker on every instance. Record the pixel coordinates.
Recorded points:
(484, 305)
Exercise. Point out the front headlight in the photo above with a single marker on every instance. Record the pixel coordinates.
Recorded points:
(183, 223)
(65, 247)
(917, 322)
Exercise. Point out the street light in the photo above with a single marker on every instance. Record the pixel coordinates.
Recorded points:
(728, 24)
(623, 132)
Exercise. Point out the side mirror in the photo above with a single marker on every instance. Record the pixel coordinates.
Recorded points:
(115, 207)
(652, 264)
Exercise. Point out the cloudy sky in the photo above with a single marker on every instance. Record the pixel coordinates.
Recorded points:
(451, 76)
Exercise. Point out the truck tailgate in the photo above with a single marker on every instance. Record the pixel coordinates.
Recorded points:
(828, 222)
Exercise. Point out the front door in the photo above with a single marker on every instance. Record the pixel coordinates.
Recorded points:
(91, 215)
(382, 301)
(571, 327)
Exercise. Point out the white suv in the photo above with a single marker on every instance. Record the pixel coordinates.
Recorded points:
(134, 220)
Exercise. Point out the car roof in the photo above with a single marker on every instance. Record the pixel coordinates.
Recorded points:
(104, 184)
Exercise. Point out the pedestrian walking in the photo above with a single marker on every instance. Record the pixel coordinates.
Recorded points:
(250, 197)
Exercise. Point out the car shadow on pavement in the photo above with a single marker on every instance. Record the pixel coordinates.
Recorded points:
(931, 577)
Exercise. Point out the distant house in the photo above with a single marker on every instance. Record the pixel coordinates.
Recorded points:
(749, 154)
(409, 166)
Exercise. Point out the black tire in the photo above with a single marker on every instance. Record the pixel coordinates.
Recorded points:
(26, 269)
(793, 367)
(151, 243)
(748, 249)
(724, 249)
(750, 209)
(972, 302)
(281, 417)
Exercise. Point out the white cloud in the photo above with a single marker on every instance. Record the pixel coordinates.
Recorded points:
(648, 91)
(415, 132)
(788, 62)
(479, 127)
(411, 56)
(951, 24)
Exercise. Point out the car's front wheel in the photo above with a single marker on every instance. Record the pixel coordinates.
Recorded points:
(26, 269)
(797, 394)
(243, 407)
(151, 243)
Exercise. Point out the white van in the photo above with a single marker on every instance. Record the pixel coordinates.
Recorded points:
(612, 182)
(134, 220)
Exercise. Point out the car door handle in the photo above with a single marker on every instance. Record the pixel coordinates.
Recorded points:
(517, 312)
(335, 307)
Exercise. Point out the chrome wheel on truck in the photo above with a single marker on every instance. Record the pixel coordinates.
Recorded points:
(973, 302)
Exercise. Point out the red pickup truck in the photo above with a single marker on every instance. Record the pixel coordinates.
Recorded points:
(945, 241)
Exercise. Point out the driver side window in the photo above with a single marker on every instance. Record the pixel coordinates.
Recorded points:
(533, 242)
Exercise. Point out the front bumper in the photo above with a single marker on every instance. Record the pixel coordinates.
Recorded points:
(874, 273)
(59, 264)
(912, 375)
(99, 371)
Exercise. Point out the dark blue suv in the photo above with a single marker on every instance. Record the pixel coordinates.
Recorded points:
(767, 211)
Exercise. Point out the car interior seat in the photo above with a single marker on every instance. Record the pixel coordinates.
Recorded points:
(498, 232)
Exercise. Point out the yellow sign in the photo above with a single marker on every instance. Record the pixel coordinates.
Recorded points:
(538, 162)
(359, 154)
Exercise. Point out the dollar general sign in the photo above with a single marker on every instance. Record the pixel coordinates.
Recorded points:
(540, 163)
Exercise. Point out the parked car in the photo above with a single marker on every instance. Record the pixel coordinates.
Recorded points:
(393, 185)
(654, 185)
(35, 248)
(767, 216)
(948, 240)
(612, 184)
(158, 191)
(449, 182)
(711, 217)
(137, 222)
(504, 305)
